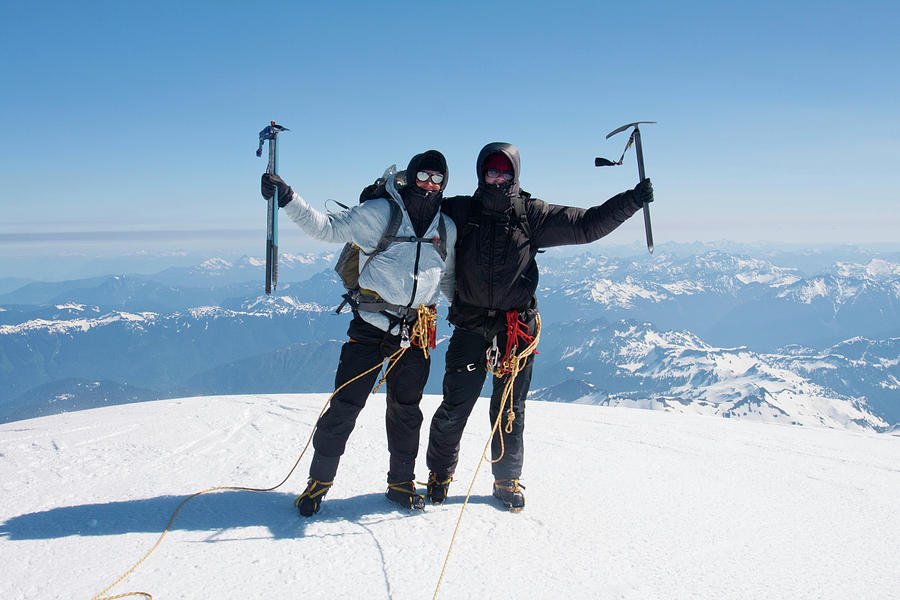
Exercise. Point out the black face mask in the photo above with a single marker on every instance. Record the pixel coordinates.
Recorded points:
(421, 206)
(495, 196)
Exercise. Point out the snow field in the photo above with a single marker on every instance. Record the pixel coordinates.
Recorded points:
(621, 504)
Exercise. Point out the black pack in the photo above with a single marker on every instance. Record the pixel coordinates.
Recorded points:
(519, 218)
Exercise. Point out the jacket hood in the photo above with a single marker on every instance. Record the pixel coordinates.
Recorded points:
(508, 150)
(497, 197)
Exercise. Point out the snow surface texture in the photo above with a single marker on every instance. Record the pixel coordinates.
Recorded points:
(621, 503)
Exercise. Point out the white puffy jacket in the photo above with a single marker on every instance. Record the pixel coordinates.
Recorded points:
(401, 268)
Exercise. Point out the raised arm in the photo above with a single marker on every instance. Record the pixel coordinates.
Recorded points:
(362, 225)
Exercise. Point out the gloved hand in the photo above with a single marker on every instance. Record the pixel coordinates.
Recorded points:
(643, 193)
(268, 184)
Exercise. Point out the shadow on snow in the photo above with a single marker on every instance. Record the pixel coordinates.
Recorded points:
(214, 512)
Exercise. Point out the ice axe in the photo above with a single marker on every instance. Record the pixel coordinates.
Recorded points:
(270, 134)
(636, 139)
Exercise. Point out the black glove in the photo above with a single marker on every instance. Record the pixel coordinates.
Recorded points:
(268, 184)
(643, 193)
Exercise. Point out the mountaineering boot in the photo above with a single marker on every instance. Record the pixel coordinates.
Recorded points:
(438, 485)
(509, 492)
(308, 502)
(405, 495)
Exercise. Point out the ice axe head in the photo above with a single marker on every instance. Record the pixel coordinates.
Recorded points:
(269, 133)
(624, 127)
(604, 162)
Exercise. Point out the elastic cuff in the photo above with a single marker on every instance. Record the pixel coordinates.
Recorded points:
(285, 199)
(401, 470)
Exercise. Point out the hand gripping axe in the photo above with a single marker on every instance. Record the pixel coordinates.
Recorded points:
(636, 139)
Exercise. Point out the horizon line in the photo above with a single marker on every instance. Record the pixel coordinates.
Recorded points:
(112, 235)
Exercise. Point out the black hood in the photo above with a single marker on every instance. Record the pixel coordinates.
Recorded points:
(422, 206)
(498, 197)
(431, 160)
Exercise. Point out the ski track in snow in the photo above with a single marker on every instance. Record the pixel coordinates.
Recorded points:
(621, 504)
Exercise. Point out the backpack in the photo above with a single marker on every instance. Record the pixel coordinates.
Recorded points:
(347, 265)
(519, 218)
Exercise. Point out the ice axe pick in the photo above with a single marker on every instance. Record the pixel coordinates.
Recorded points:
(636, 139)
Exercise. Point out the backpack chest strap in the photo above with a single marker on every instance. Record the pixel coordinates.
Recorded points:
(439, 241)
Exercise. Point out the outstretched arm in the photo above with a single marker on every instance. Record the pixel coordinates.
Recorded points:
(566, 225)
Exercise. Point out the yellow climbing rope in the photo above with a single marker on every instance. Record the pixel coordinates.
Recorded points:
(422, 323)
(510, 365)
(424, 331)
(516, 363)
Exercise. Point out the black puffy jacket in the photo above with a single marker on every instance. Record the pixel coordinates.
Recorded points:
(500, 229)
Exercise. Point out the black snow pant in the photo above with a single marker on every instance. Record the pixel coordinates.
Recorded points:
(463, 380)
(367, 347)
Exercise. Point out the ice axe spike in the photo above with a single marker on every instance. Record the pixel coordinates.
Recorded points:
(636, 139)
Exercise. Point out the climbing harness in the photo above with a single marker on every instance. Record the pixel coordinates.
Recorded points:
(422, 329)
(423, 335)
(510, 364)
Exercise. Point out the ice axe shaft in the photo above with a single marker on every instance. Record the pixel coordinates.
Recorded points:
(272, 223)
(648, 230)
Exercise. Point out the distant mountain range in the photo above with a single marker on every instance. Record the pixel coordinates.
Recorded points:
(730, 300)
(632, 364)
(715, 332)
(214, 282)
(150, 350)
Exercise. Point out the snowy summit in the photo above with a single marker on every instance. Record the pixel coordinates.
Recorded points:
(621, 503)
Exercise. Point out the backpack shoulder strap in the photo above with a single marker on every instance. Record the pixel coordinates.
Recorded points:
(518, 206)
(521, 217)
(393, 225)
(390, 233)
(440, 244)
(469, 223)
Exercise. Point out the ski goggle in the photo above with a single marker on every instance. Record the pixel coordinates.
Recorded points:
(435, 178)
(495, 174)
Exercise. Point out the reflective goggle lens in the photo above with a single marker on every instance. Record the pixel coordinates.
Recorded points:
(494, 174)
(436, 178)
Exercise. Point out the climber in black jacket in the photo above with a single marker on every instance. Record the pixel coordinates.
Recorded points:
(500, 229)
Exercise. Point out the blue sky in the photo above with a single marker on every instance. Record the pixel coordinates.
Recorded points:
(777, 121)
